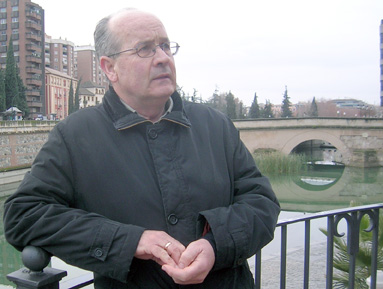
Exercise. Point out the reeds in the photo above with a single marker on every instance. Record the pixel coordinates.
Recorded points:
(275, 163)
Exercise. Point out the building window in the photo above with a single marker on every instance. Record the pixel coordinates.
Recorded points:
(15, 20)
(15, 8)
(3, 21)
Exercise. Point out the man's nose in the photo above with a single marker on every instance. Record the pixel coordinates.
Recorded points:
(160, 55)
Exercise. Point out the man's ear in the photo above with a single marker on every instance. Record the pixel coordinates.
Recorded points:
(107, 65)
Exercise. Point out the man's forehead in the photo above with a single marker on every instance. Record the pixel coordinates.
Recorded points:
(134, 19)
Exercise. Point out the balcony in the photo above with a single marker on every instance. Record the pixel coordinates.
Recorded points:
(33, 14)
(35, 70)
(35, 82)
(34, 59)
(33, 92)
(33, 36)
(34, 104)
(33, 25)
(37, 259)
(33, 47)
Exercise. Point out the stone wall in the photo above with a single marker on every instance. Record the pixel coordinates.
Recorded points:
(21, 141)
(20, 149)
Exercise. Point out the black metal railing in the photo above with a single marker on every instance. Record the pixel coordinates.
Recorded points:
(37, 275)
(352, 217)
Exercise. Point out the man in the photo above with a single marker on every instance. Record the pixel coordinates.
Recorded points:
(144, 190)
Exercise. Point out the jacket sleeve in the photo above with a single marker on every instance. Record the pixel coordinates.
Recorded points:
(42, 212)
(248, 224)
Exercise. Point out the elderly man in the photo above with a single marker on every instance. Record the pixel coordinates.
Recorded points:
(144, 190)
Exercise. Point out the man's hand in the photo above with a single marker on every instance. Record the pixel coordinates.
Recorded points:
(160, 247)
(194, 265)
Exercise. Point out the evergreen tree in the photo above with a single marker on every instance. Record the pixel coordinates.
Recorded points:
(218, 101)
(22, 99)
(241, 111)
(267, 111)
(254, 108)
(314, 108)
(11, 83)
(230, 106)
(70, 98)
(194, 96)
(181, 92)
(3, 106)
(77, 97)
(286, 104)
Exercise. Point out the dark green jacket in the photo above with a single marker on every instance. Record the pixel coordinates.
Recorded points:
(106, 174)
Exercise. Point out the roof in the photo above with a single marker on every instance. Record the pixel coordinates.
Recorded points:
(84, 91)
(90, 84)
(13, 108)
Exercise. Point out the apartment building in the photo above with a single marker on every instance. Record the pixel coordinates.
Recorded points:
(59, 55)
(24, 21)
(87, 67)
(57, 92)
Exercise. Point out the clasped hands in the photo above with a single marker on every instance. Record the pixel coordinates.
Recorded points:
(188, 265)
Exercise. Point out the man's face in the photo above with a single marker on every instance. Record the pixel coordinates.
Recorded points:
(142, 80)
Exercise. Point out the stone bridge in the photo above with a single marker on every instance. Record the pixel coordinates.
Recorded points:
(358, 140)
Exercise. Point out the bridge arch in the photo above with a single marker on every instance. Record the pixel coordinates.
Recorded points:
(320, 135)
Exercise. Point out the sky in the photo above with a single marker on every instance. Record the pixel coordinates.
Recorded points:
(327, 49)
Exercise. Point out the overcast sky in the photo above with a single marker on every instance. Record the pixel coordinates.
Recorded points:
(328, 49)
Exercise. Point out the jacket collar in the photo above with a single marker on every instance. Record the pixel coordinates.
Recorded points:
(123, 118)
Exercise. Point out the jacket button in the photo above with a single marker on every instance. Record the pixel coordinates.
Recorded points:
(98, 252)
(152, 134)
(172, 219)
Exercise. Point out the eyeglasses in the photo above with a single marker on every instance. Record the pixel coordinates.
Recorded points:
(149, 49)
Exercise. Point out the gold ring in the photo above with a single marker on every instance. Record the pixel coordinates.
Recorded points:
(167, 245)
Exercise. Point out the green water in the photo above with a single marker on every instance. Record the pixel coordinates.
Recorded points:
(319, 189)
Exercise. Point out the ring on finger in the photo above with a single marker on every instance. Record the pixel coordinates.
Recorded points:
(167, 245)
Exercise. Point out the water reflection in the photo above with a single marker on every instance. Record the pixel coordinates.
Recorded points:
(325, 188)
(319, 176)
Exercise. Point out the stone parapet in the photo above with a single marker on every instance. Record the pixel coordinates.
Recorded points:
(20, 141)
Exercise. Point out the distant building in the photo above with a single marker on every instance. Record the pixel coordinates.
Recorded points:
(90, 94)
(24, 22)
(57, 93)
(349, 103)
(87, 67)
(59, 55)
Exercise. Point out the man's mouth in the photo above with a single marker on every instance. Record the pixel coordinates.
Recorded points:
(162, 76)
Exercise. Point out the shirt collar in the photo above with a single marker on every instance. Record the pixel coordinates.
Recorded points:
(168, 107)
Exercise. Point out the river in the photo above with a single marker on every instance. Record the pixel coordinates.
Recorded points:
(319, 189)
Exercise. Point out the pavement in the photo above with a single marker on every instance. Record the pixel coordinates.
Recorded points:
(270, 277)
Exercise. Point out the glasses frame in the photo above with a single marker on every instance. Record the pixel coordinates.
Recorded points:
(171, 44)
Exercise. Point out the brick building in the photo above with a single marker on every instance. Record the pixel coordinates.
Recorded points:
(23, 21)
(57, 92)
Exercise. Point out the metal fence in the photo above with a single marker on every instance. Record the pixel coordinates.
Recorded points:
(36, 259)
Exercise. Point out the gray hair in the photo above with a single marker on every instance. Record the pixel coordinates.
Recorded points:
(105, 41)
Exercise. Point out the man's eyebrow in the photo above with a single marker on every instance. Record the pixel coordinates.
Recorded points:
(145, 42)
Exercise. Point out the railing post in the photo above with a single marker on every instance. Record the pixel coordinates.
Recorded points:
(35, 275)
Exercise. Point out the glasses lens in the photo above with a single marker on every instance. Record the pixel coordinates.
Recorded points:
(146, 50)
(149, 49)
